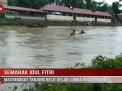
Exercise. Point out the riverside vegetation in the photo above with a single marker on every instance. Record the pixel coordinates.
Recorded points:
(53, 23)
(98, 62)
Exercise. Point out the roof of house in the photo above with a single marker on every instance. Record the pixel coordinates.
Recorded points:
(102, 13)
(59, 8)
(56, 8)
(22, 8)
(83, 11)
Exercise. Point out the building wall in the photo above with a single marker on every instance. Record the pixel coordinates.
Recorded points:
(24, 17)
(3, 2)
(85, 19)
(59, 17)
(70, 18)
(92, 18)
(103, 20)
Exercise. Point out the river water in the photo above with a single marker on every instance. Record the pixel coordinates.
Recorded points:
(53, 47)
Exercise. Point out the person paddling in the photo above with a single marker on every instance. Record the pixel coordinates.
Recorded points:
(73, 31)
(82, 31)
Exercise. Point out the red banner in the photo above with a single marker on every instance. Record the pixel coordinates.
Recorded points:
(60, 72)
(1, 9)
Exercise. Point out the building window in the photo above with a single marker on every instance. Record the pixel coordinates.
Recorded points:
(106, 17)
(64, 14)
(102, 17)
(83, 15)
(109, 18)
(99, 16)
(69, 14)
(78, 15)
(88, 16)
(92, 16)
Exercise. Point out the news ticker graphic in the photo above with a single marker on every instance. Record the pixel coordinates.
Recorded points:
(60, 72)
(62, 79)
(1, 9)
(61, 75)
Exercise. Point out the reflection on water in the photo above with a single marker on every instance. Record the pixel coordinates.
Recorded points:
(53, 47)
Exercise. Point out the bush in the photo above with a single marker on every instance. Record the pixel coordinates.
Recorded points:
(98, 62)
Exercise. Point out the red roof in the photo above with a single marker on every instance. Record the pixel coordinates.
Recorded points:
(22, 8)
(82, 11)
(102, 13)
(59, 8)
(56, 8)
(85, 11)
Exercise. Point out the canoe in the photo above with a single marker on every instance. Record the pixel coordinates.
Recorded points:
(80, 33)
(77, 33)
(36, 26)
(72, 34)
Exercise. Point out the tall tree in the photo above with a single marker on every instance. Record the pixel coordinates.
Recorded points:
(12, 2)
(81, 4)
(94, 5)
(115, 8)
(88, 4)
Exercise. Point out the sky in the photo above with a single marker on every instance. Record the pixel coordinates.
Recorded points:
(108, 1)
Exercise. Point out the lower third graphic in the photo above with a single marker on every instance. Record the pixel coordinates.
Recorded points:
(1, 81)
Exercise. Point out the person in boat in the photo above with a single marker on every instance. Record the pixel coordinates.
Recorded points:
(82, 31)
(73, 31)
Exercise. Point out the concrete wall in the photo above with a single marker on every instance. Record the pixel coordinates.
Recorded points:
(3, 2)
(24, 17)
(85, 19)
(103, 20)
(59, 17)
(92, 19)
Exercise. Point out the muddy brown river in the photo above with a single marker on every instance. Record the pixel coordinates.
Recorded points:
(53, 47)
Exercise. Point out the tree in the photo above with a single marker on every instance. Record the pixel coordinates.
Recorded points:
(115, 8)
(12, 2)
(88, 4)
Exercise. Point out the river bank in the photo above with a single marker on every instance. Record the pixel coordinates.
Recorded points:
(53, 23)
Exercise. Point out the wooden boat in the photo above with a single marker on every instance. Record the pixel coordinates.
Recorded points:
(72, 33)
(36, 26)
(81, 33)
(77, 33)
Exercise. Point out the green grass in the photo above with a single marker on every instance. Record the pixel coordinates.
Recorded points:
(51, 23)
(8, 22)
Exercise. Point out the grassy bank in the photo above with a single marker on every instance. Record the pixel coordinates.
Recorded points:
(69, 23)
(8, 22)
(52, 23)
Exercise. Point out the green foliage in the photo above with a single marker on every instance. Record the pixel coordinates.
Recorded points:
(103, 62)
(115, 8)
(8, 22)
(98, 62)
(15, 88)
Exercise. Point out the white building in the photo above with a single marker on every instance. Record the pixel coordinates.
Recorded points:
(3, 2)
(65, 13)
